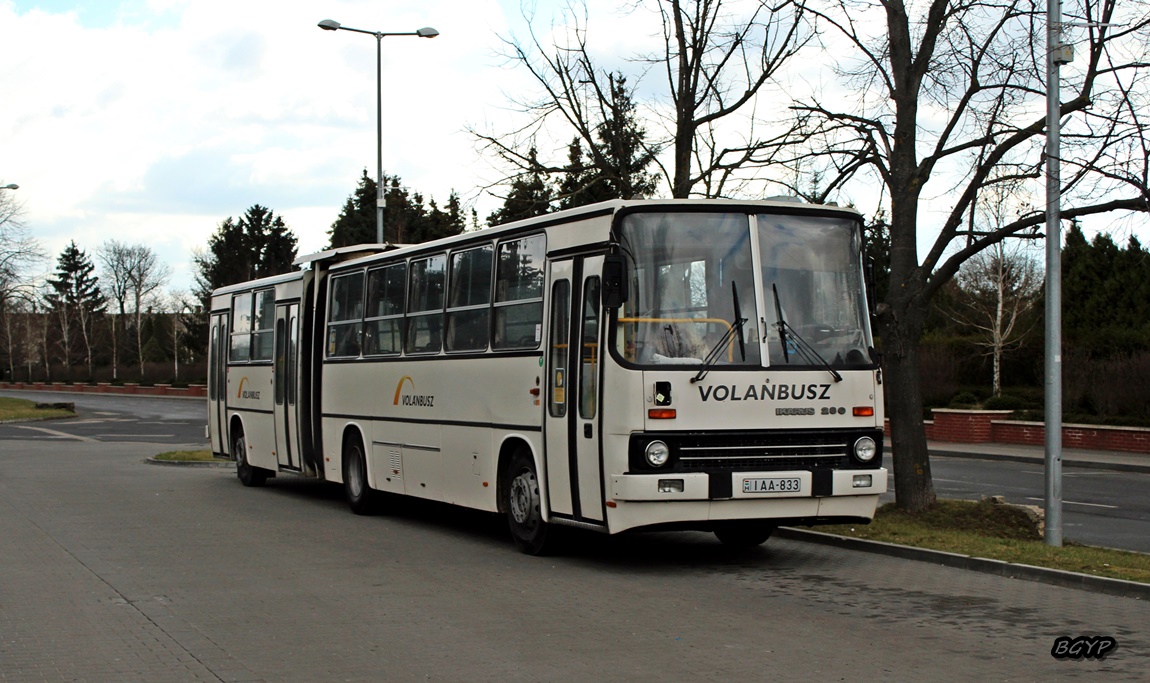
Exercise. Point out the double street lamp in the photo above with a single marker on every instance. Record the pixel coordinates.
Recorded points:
(426, 32)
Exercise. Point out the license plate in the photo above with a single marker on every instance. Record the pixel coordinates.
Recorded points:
(773, 485)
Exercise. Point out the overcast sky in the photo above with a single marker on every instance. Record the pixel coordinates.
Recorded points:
(150, 121)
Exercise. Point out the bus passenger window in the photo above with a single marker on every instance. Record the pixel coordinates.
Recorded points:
(383, 328)
(519, 293)
(263, 318)
(425, 305)
(469, 300)
(240, 347)
(346, 319)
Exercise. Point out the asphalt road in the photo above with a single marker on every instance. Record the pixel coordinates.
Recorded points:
(115, 570)
(1099, 507)
(123, 418)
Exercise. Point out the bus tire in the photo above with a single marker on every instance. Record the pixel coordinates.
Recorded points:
(249, 475)
(744, 534)
(360, 496)
(523, 505)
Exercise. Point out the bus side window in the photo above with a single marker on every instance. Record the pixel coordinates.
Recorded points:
(469, 301)
(346, 319)
(425, 305)
(263, 317)
(383, 327)
(519, 293)
(239, 348)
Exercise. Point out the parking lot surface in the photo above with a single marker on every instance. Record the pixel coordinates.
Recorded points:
(116, 570)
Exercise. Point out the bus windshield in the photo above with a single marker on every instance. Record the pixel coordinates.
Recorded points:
(690, 270)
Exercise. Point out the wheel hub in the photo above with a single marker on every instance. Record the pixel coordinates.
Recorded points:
(523, 498)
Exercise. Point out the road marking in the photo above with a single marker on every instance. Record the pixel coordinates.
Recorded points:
(1071, 502)
(57, 434)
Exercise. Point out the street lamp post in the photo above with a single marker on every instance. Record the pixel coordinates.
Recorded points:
(426, 32)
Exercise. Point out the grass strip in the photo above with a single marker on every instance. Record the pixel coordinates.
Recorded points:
(21, 409)
(993, 531)
(188, 456)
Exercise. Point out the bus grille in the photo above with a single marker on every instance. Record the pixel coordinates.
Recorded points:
(756, 451)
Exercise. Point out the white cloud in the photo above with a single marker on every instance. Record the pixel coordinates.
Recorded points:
(154, 124)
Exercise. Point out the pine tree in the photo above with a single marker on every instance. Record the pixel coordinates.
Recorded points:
(75, 300)
(621, 157)
(356, 222)
(257, 245)
(530, 195)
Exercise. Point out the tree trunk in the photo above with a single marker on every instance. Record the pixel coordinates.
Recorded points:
(914, 489)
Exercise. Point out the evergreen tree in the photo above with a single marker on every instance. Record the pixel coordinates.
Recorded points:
(1105, 308)
(257, 245)
(405, 220)
(356, 222)
(580, 183)
(621, 157)
(530, 195)
(75, 300)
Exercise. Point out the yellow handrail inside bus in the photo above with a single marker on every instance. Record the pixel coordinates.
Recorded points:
(730, 349)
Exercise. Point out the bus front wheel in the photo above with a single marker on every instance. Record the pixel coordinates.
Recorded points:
(248, 474)
(742, 535)
(523, 505)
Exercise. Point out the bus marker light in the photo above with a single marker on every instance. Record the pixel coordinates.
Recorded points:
(612, 504)
(863, 411)
(661, 413)
(861, 481)
(670, 486)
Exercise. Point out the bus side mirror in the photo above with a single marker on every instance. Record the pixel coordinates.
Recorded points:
(615, 280)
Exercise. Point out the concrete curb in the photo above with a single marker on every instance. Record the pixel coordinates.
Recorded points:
(1054, 577)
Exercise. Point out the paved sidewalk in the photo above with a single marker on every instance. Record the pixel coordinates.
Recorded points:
(1071, 457)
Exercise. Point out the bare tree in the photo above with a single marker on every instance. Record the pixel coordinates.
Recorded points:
(943, 100)
(19, 251)
(717, 59)
(132, 274)
(1000, 287)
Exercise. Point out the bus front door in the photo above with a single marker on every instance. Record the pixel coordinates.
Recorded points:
(287, 386)
(574, 371)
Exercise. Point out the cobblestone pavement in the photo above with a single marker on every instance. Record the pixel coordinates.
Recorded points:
(113, 570)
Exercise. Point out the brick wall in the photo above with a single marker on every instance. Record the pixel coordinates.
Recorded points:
(987, 426)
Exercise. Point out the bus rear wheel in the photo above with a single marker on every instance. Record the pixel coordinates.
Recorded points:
(360, 496)
(744, 534)
(523, 505)
(249, 475)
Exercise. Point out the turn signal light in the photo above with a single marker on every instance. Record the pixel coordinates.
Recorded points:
(863, 411)
(661, 413)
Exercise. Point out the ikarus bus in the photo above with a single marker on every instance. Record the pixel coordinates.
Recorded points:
(678, 364)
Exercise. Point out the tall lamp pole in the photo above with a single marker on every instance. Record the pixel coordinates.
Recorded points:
(426, 32)
(1058, 53)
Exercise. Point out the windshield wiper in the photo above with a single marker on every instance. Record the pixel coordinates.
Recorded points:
(725, 341)
(804, 349)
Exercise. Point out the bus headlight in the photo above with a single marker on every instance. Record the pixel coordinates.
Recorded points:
(865, 449)
(657, 454)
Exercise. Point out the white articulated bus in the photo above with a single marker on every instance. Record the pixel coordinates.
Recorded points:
(696, 364)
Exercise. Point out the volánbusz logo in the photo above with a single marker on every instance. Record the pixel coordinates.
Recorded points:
(766, 392)
(247, 393)
(412, 399)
